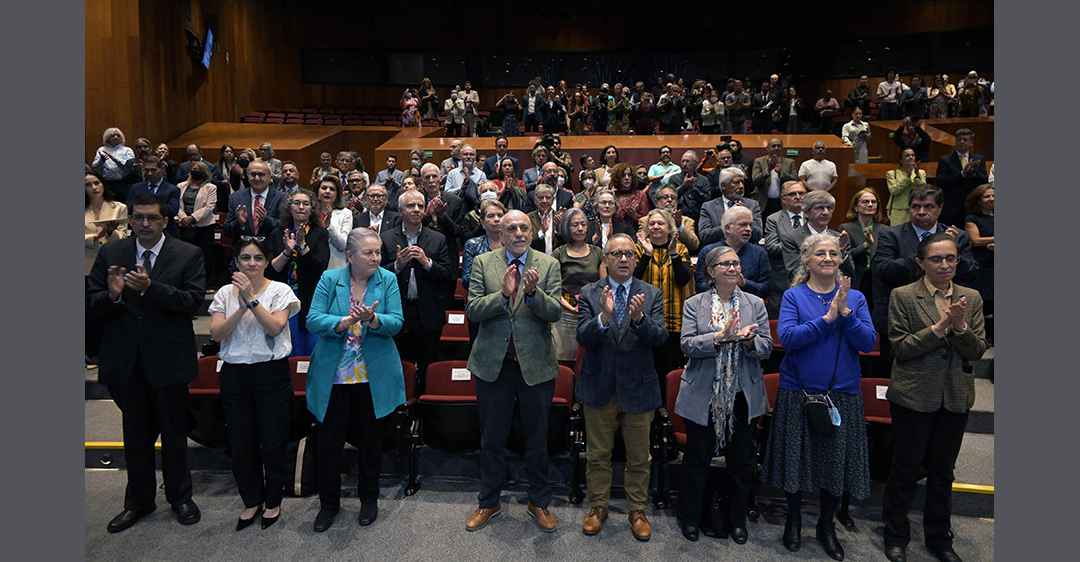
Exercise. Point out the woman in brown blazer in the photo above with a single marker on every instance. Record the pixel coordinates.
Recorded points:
(935, 327)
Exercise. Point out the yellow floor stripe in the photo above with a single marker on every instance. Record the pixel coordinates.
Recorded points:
(112, 445)
(973, 488)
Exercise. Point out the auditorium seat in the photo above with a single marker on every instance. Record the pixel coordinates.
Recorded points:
(294, 115)
(251, 119)
(672, 438)
(204, 402)
(456, 329)
(294, 121)
(447, 417)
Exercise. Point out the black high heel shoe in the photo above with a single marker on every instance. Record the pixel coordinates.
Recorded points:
(242, 523)
(267, 521)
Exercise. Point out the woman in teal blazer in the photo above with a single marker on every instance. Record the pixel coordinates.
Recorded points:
(355, 376)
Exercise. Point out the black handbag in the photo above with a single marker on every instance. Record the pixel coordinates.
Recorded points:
(821, 415)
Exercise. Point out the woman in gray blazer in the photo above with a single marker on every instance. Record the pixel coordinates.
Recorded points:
(725, 332)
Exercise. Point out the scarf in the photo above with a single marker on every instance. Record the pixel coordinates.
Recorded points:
(727, 360)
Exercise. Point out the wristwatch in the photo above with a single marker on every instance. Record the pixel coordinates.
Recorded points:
(253, 304)
(301, 247)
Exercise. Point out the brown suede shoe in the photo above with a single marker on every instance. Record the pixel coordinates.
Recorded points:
(640, 525)
(595, 520)
(544, 519)
(481, 516)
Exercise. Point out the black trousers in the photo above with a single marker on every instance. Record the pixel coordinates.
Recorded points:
(256, 399)
(924, 439)
(740, 460)
(495, 402)
(454, 129)
(148, 412)
(532, 123)
(350, 413)
(203, 237)
(416, 344)
(667, 357)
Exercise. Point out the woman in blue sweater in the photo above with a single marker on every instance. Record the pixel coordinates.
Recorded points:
(823, 325)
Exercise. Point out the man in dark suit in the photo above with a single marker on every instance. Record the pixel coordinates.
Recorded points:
(148, 287)
(552, 112)
(170, 166)
(443, 214)
(764, 103)
(155, 185)
(957, 174)
(620, 320)
(426, 277)
(776, 226)
(732, 183)
(491, 164)
(514, 295)
(692, 188)
(769, 174)
(738, 224)
(531, 176)
(264, 204)
(377, 217)
(544, 220)
(194, 154)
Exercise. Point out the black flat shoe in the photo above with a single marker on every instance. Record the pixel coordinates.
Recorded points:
(826, 535)
(895, 554)
(690, 532)
(739, 535)
(127, 518)
(242, 523)
(324, 520)
(368, 512)
(187, 513)
(946, 555)
(793, 533)
(265, 521)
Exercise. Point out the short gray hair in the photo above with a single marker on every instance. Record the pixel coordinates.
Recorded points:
(731, 215)
(609, 191)
(619, 236)
(713, 258)
(728, 174)
(409, 193)
(817, 197)
(356, 237)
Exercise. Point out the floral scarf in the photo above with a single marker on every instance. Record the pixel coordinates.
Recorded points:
(727, 361)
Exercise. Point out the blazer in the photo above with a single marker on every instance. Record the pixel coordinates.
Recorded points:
(777, 225)
(329, 304)
(309, 267)
(491, 166)
(537, 241)
(696, 388)
(894, 261)
(153, 329)
(951, 180)
(755, 269)
(860, 256)
(434, 286)
(168, 193)
(273, 198)
(109, 210)
(184, 170)
(619, 361)
(530, 178)
(791, 242)
(900, 187)
(338, 230)
(390, 220)
(448, 224)
(529, 323)
(205, 202)
(761, 176)
(927, 370)
(709, 229)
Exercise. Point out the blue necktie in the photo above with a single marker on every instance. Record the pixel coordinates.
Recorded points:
(924, 235)
(620, 305)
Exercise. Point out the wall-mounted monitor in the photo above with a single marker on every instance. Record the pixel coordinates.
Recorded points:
(208, 48)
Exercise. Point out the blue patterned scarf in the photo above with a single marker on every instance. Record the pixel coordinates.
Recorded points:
(727, 361)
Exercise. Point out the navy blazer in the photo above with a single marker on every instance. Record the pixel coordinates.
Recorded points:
(390, 220)
(755, 268)
(618, 361)
(531, 177)
(168, 193)
(491, 166)
(154, 328)
(274, 199)
(956, 187)
(708, 224)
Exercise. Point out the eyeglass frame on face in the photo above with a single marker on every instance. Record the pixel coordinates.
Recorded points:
(245, 239)
(728, 264)
(950, 259)
(145, 218)
(667, 196)
(868, 201)
(620, 254)
(301, 204)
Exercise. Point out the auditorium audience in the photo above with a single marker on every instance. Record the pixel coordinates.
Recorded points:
(490, 214)
(113, 160)
(769, 174)
(910, 135)
(375, 213)
(732, 191)
(913, 100)
(581, 263)
(958, 173)
(817, 172)
(938, 99)
(776, 226)
(738, 225)
(300, 248)
(667, 199)
(888, 97)
(860, 95)
(196, 217)
(266, 154)
(325, 167)
(633, 201)
(979, 225)
(868, 215)
(171, 167)
(606, 225)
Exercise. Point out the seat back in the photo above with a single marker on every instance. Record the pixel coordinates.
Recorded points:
(208, 383)
(772, 385)
(456, 328)
(449, 419)
(775, 336)
(875, 405)
(674, 379)
(409, 371)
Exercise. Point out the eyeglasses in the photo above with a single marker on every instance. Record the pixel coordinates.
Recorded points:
(246, 239)
(257, 258)
(620, 254)
(376, 196)
(728, 265)
(145, 218)
(301, 203)
(795, 194)
(949, 259)
(868, 201)
(668, 197)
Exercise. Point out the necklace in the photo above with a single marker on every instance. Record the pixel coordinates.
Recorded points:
(821, 298)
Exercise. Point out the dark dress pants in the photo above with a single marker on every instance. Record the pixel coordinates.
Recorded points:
(256, 398)
(740, 460)
(416, 344)
(923, 439)
(495, 402)
(147, 412)
(349, 414)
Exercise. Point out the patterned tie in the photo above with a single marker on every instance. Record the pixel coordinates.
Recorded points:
(795, 221)
(963, 161)
(924, 235)
(375, 227)
(516, 264)
(146, 260)
(620, 305)
(255, 211)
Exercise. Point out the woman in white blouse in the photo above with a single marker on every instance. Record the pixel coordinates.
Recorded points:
(113, 159)
(250, 317)
(335, 217)
(855, 134)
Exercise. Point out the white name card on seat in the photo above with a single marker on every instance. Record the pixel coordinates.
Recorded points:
(881, 390)
(455, 318)
(217, 236)
(301, 366)
(220, 362)
(693, 260)
(460, 375)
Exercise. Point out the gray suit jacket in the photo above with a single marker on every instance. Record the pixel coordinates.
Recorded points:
(709, 229)
(777, 225)
(761, 176)
(528, 323)
(792, 241)
(927, 370)
(619, 361)
(695, 391)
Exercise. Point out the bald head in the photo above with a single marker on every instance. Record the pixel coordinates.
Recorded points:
(516, 232)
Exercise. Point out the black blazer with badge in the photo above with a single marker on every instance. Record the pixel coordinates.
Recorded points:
(154, 328)
(434, 286)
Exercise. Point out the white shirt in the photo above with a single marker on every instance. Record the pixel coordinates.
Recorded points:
(549, 234)
(249, 343)
(774, 185)
(139, 250)
(818, 174)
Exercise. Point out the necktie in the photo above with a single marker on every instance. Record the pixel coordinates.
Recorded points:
(924, 235)
(153, 190)
(963, 160)
(795, 223)
(254, 211)
(620, 305)
(146, 260)
(516, 274)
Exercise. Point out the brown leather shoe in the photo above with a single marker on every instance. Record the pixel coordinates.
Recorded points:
(544, 519)
(595, 520)
(640, 525)
(481, 516)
